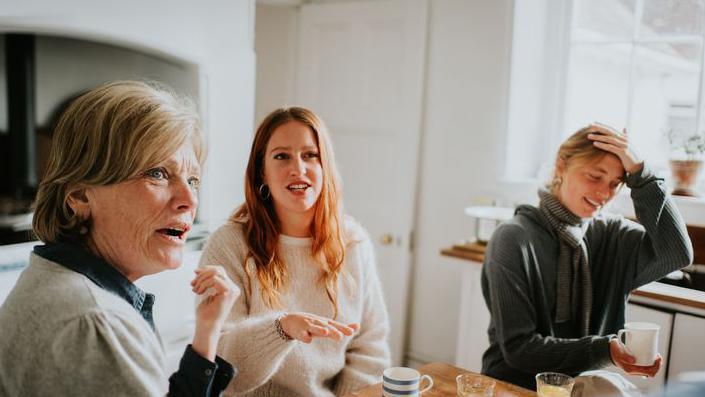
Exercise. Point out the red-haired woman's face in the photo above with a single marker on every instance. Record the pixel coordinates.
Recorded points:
(585, 188)
(293, 172)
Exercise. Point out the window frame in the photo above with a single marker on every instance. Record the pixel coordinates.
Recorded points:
(560, 17)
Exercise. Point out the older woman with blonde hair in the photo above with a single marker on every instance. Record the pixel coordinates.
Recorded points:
(312, 318)
(116, 203)
(556, 277)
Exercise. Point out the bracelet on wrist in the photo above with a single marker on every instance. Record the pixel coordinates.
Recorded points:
(280, 330)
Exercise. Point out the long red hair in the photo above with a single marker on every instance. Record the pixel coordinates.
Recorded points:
(261, 225)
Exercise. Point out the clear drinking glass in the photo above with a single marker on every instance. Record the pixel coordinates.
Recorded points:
(554, 384)
(473, 385)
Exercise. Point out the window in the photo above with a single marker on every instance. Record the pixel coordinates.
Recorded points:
(628, 63)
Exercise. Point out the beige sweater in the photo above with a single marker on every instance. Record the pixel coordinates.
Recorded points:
(270, 366)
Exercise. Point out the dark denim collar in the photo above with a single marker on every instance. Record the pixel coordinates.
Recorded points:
(80, 260)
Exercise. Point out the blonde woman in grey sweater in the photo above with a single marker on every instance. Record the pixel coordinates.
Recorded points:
(311, 320)
(556, 277)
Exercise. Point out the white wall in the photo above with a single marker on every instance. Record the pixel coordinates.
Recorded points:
(462, 155)
(276, 43)
(66, 67)
(216, 36)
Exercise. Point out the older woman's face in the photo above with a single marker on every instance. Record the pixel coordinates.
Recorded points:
(140, 225)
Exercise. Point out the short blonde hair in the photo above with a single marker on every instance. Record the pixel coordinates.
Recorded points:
(577, 149)
(106, 136)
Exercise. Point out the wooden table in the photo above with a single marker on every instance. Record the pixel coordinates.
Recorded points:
(444, 384)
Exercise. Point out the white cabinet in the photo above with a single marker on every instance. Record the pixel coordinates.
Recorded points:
(686, 347)
(474, 320)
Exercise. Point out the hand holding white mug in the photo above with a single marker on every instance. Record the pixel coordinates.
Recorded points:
(306, 326)
(622, 359)
(212, 311)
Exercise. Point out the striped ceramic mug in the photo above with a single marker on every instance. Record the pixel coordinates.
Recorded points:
(402, 381)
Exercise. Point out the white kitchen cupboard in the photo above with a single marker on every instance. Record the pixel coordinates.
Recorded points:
(687, 353)
(474, 319)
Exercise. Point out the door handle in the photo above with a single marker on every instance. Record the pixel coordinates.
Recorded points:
(386, 239)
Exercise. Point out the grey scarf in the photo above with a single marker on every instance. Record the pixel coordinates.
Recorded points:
(573, 281)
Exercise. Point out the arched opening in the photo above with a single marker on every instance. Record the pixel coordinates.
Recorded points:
(39, 75)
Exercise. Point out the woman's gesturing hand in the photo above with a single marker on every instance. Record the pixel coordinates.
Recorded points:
(608, 139)
(622, 359)
(305, 326)
(219, 295)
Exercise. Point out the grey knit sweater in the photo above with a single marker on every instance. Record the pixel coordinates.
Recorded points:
(519, 283)
(63, 335)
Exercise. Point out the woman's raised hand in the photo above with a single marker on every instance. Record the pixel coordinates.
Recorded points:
(622, 359)
(219, 295)
(305, 326)
(608, 139)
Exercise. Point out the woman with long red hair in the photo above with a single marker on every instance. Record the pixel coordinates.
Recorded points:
(311, 320)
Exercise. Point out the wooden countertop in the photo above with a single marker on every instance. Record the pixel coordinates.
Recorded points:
(444, 384)
(463, 254)
(672, 294)
(658, 291)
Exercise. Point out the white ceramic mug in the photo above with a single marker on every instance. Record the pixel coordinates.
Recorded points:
(641, 341)
(402, 381)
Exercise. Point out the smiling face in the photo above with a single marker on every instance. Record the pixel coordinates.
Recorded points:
(140, 225)
(588, 186)
(293, 173)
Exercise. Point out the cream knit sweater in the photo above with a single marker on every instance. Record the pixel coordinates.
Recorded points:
(270, 366)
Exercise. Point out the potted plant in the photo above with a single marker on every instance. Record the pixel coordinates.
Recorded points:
(685, 168)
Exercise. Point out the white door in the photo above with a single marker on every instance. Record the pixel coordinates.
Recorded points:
(361, 67)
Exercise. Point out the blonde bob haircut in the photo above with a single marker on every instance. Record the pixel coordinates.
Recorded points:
(106, 136)
(261, 225)
(576, 150)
